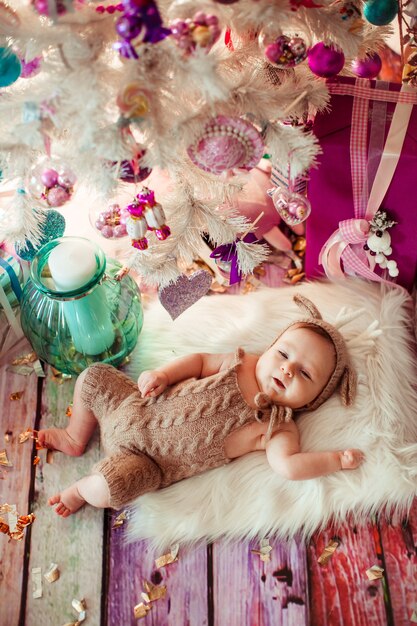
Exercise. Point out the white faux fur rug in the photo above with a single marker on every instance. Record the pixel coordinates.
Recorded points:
(246, 498)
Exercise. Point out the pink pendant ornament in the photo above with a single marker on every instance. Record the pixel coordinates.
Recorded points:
(293, 208)
(111, 223)
(325, 61)
(227, 143)
(369, 67)
(179, 296)
(52, 182)
(286, 52)
(145, 214)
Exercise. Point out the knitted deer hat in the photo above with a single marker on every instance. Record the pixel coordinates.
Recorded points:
(343, 376)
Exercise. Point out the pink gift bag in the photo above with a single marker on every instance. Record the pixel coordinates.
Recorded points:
(368, 164)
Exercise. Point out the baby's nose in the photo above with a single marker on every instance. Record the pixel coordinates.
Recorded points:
(286, 369)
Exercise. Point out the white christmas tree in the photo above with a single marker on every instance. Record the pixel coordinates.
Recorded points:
(199, 89)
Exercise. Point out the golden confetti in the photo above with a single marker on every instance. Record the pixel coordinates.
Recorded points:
(264, 551)
(37, 582)
(59, 377)
(25, 359)
(28, 434)
(4, 528)
(36, 460)
(375, 572)
(26, 364)
(119, 520)
(153, 592)
(68, 412)
(50, 456)
(4, 459)
(79, 606)
(6, 508)
(166, 559)
(22, 522)
(16, 395)
(52, 574)
(141, 610)
(328, 552)
(8, 436)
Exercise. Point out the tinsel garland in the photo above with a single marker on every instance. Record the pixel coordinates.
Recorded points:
(71, 106)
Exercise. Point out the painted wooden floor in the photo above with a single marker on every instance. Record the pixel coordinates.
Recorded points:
(221, 585)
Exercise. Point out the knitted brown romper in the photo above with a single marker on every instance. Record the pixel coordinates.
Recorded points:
(154, 442)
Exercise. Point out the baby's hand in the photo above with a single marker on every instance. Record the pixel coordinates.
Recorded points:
(152, 382)
(351, 459)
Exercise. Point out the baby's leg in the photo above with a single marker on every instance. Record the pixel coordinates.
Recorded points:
(116, 481)
(73, 439)
(92, 489)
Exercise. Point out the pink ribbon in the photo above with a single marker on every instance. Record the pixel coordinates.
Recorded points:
(345, 245)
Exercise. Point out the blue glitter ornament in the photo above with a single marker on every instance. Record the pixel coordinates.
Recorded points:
(380, 12)
(10, 67)
(53, 228)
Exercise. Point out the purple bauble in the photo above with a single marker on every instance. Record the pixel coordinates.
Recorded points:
(128, 26)
(325, 61)
(49, 177)
(369, 67)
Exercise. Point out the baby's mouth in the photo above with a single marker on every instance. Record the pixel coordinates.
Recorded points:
(279, 383)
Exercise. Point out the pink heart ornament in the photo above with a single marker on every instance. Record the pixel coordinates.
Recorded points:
(179, 296)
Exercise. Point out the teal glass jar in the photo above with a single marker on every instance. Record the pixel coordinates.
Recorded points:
(73, 310)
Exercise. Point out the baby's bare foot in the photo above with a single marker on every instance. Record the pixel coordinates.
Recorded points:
(59, 439)
(69, 501)
(351, 459)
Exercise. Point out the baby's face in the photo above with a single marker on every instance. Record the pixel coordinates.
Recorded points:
(295, 369)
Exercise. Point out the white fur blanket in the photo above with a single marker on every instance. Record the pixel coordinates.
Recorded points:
(246, 498)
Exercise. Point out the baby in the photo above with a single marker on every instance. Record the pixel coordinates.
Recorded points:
(202, 411)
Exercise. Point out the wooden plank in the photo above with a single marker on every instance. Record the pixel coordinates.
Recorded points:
(186, 582)
(399, 544)
(340, 592)
(15, 417)
(75, 543)
(250, 592)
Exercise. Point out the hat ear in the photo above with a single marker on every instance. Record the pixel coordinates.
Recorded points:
(348, 386)
(307, 306)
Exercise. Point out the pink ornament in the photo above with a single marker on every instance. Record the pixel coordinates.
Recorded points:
(293, 208)
(227, 143)
(51, 181)
(57, 196)
(286, 52)
(369, 67)
(66, 178)
(109, 222)
(201, 30)
(49, 177)
(325, 61)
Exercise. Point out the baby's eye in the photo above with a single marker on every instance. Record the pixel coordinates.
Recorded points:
(305, 374)
(283, 354)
